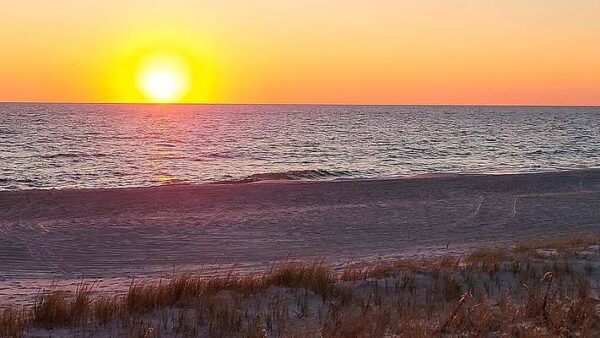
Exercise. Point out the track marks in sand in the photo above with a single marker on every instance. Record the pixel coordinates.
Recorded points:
(478, 205)
(514, 207)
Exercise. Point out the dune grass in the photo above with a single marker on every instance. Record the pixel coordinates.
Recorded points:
(534, 290)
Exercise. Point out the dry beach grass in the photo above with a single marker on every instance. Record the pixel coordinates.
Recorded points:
(535, 289)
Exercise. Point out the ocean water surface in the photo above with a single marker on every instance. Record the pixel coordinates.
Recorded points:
(110, 145)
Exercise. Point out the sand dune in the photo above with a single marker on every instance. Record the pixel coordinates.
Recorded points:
(113, 234)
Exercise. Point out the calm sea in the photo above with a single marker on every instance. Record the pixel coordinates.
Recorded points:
(80, 145)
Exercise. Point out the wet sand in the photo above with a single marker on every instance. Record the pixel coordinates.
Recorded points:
(113, 234)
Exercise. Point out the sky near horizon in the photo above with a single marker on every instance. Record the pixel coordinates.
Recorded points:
(306, 51)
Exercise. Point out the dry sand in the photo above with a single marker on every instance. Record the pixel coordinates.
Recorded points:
(114, 234)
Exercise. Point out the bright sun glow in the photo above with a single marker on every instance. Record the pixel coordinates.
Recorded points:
(163, 77)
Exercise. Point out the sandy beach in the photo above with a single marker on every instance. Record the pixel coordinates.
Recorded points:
(115, 234)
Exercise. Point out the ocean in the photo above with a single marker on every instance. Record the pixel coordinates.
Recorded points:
(118, 145)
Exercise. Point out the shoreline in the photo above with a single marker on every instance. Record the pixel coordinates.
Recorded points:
(247, 179)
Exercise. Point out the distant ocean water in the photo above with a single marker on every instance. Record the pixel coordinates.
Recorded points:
(93, 146)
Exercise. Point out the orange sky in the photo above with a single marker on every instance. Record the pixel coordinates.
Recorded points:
(336, 51)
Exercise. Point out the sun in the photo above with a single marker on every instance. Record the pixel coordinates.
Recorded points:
(164, 77)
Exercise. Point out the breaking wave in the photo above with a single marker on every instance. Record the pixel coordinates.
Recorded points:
(292, 175)
(71, 155)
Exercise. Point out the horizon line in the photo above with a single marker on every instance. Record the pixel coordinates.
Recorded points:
(305, 104)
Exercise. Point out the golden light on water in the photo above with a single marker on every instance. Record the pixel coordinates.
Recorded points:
(164, 77)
